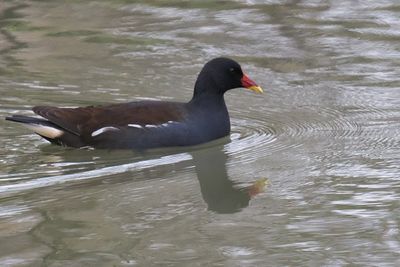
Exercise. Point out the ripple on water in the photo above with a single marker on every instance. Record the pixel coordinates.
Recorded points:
(253, 134)
(79, 175)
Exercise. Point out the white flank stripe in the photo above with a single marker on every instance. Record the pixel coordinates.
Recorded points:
(46, 131)
(135, 126)
(168, 123)
(104, 129)
(151, 125)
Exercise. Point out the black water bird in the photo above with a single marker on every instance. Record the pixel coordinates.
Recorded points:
(147, 124)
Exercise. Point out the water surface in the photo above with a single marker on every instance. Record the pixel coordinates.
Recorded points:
(308, 176)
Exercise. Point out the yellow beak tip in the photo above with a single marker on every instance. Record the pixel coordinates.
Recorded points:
(256, 89)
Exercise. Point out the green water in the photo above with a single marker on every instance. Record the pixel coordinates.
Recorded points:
(308, 177)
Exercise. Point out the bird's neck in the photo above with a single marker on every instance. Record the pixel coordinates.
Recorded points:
(209, 105)
(207, 100)
(206, 93)
(209, 110)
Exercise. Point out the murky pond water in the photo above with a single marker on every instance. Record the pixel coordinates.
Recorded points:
(308, 177)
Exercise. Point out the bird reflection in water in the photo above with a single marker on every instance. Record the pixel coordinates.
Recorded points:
(221, 194)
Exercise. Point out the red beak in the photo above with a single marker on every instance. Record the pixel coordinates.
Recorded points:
(250, 84)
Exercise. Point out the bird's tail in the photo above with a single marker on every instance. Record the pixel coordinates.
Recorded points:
(40, 126)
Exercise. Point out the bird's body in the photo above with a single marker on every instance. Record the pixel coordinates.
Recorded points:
(146, 124)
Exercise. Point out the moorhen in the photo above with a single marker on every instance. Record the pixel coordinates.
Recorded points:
(147, 124)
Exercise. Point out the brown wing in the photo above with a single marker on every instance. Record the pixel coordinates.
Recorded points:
(84, 120)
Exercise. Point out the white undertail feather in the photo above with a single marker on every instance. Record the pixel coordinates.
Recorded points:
(45, 131)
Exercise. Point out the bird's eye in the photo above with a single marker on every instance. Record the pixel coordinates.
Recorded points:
(235, 71)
